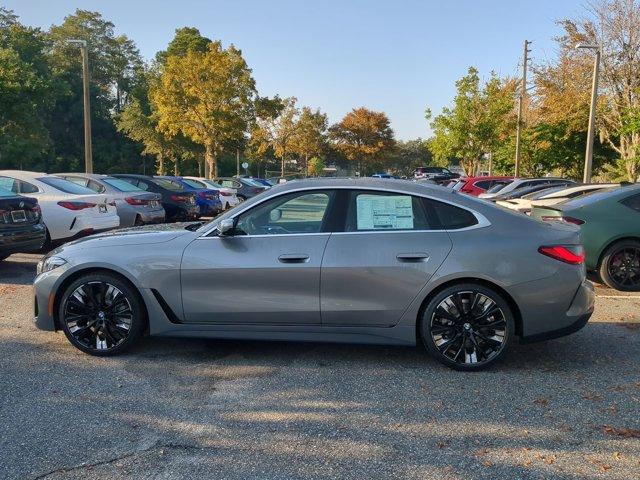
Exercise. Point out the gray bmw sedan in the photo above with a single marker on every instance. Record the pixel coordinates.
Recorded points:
(338, 260)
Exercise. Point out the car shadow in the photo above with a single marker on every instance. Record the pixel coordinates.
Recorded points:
(18, 269)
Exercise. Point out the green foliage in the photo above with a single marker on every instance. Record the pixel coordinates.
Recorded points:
(316, 166)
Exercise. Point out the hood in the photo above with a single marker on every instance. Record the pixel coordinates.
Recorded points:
(147, 235)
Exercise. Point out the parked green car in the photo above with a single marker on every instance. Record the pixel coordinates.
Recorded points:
(610, 229)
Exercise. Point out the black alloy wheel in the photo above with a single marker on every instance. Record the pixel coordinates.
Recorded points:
(101, 315)
(620, 266)
(467, 327)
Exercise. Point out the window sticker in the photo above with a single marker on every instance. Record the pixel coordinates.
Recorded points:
(378, 212)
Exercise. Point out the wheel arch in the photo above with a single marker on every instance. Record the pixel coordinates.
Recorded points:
(517, 315)
(611, 243)
(96, 270)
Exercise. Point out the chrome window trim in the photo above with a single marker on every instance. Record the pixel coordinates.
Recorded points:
(482, 220)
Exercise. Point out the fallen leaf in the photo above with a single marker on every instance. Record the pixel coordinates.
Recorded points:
(621, 432)
(487, 463)
(541, 401)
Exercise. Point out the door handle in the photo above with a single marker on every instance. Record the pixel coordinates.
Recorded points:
(294, 258)
(412, 257)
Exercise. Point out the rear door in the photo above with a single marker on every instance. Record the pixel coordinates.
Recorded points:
(387, 252)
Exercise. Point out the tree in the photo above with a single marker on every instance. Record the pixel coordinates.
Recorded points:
(310, 134)
(207, 97)
(479, 121)
(275, 129)
(315, 167)
(186, 39)
(28, 92)
(363, 136)
(407, 156)
(614, 26)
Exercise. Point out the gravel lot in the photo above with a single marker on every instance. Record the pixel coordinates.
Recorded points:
(568, 408)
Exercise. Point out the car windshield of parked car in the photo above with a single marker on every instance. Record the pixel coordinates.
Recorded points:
(66, 186)
(193, 183)
(497, 187)
(586, 200)
(458, 185)
(121, 185)
(252, 183)
(542, 193)
(168, 184)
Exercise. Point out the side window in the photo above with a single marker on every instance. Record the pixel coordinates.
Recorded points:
(24, 187)
(452, 217)
(302, 212)
(484, 184)
(388, 211)
(142, 185)
(95, 186)
(632, 202)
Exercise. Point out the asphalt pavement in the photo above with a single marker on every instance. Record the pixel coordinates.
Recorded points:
(568, 408)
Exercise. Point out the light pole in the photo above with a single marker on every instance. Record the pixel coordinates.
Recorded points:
(588, 158)
(88, 154)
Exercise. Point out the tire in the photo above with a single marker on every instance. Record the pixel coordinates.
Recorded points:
(620, 266)
(467, 342)
(101, 314)
(138, 221)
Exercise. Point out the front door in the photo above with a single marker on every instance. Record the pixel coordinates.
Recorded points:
(388, 251)
(267, 271)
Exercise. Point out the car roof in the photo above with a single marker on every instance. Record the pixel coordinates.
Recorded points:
(602, 195)
(22, 174)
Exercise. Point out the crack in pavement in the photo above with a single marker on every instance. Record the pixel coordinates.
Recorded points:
(124, 456)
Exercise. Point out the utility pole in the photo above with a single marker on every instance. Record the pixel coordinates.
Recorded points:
(88, 154)
(588, 157)
(523, 92)
(238, 162)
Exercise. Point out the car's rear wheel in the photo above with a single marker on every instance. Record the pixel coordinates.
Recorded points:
(467, 326)
(620, 266)
(101, 314)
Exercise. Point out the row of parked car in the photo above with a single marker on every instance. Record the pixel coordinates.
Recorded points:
(607, 214)
(39, 210)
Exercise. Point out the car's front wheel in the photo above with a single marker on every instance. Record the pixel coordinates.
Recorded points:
(101, 314)
(620, 266)
(467, 326)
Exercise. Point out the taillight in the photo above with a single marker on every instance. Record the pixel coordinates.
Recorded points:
(571, 220)
(207, 196)
(37, 210)
(225, 194)
(76, 205)
(573, 254)
(136, 201)
(256, 190)
(179, 198)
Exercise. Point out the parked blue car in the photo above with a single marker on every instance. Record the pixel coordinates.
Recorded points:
(207, 199)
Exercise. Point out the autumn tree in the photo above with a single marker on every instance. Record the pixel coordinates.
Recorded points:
(613, 25)
(275, 129)
(208, 97)
(310, 134)
(363, 136)
(315, 166)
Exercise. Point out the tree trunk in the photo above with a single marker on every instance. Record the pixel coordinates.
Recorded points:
(306, 163)
(161, 164)
(200, 167)
(175, 167)
(282, 168)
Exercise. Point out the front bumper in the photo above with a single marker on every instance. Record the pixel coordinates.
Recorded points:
(44, 287)
(575, 318)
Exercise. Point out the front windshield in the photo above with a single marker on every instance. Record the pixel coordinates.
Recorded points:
(168, 184)
(121, 185)
(497, 187)
(66, 186)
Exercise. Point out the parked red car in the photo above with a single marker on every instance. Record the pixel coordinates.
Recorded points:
(477, 185)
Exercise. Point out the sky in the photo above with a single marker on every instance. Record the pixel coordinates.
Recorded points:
(399, 56)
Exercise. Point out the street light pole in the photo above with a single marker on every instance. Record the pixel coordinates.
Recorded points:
(88, 151)
(523, 92)
(588, 157)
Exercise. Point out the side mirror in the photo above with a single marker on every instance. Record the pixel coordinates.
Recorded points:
(226, 226)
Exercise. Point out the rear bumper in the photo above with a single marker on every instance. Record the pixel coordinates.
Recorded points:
(575, 318)
(22, 240)
(153, 216)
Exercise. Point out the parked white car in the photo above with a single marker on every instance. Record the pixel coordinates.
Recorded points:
(552, 196)
(228, 196)
(69, 211)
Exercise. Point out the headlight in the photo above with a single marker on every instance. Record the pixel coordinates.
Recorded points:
(49, 263)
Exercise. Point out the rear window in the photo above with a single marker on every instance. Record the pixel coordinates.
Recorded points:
(452, 217)
(66, 186)
(251, 182)
(593, 198)
(168, 184)
(121, 185)
(497, 187)
(6, 193)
